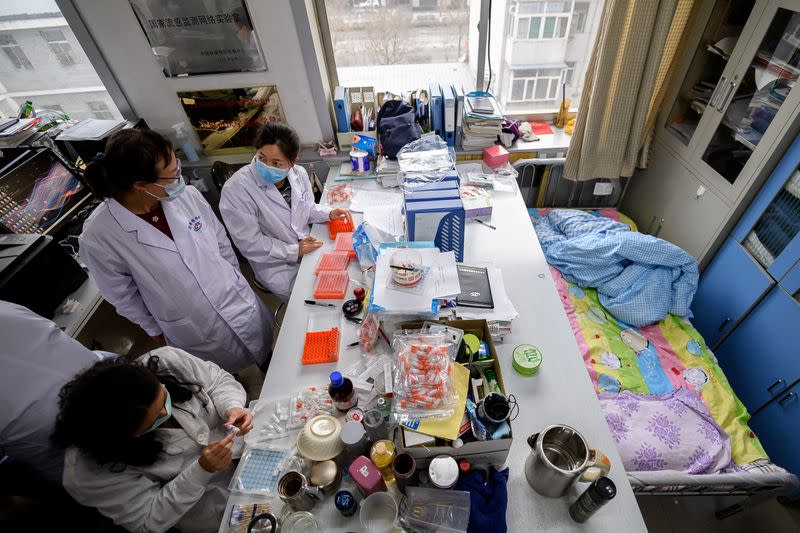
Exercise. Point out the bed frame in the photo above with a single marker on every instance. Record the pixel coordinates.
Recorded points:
(762, 483)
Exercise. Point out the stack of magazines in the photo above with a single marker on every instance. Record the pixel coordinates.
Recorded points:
(483, 121)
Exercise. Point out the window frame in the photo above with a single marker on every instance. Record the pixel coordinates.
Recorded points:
(61, 48)
(533, 82)
(317, 15)
(15, 54)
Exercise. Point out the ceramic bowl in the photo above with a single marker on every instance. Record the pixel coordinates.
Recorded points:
(320, 439)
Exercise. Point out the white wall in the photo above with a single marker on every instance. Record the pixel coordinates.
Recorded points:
(122, 42)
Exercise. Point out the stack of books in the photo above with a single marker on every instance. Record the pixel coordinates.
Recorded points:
(14, 131)
(483, 122)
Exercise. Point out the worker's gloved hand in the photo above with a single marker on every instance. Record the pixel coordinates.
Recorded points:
(307, 244)
(488, 500)
(217, 455)
(240, 418)
(339, 214)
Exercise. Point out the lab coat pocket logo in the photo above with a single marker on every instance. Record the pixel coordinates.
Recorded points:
(195, 224)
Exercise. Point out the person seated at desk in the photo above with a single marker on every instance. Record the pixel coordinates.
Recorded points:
(268, 207)
(146, 442)
(159, 255)
(37, 359)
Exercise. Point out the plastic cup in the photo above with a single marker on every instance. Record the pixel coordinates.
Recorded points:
(378, 512)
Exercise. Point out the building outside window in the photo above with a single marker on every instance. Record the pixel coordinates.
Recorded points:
(43, 62)
(58, 44)
(543, 53)
(14, 53)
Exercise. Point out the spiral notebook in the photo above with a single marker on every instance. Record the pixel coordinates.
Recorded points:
(476, 291)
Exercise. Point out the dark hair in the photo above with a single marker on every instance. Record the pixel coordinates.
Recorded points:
(102, 408)
(282, 135)
(130, 156)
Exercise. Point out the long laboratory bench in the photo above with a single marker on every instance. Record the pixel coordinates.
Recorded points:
(560, 393)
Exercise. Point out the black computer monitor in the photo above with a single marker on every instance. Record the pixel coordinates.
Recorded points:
(38, 193)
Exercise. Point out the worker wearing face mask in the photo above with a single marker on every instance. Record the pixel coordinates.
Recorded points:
(161, 257)
(268, 207)
(147, 441)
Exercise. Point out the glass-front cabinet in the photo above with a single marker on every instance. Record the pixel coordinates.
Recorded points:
(737, 95)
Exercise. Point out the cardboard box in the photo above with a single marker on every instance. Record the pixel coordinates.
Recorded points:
(356, 98)
(494, 452)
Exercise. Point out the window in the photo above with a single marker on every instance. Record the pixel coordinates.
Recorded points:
(392, 45)
(579, 15)
(535, 22)
(33, 33)
(58, 44)
(536, 84)
(100, 110)
(14, 52)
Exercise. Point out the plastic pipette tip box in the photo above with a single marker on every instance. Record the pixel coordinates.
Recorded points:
(344, 243)
(321, 347)
(331, 284)
(333, 261)
(338, 226)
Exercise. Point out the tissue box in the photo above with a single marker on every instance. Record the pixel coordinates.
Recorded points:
(495, 156)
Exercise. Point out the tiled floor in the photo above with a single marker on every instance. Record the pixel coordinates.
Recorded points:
(667, 514)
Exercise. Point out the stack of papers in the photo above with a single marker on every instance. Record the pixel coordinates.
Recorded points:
(387, 166)
(483, 122)
(440, 282)
(13, 135)
(368, 198)
(91, 129)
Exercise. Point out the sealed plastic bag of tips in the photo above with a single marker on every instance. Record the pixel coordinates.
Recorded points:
(423, 385)
(426, 160)
(340, 195)
(270, 420)
(309, 403)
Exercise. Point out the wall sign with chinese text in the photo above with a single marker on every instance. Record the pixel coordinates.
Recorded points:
(191, 37)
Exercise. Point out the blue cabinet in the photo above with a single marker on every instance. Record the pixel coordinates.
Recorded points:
(728, 289)
(761, 357)
(777, 428)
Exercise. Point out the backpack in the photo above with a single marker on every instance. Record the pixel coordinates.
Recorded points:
(397, 127)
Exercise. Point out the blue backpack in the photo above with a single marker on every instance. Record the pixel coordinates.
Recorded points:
(397, 126)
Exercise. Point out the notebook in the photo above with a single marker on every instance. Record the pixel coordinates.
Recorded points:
(475, 288)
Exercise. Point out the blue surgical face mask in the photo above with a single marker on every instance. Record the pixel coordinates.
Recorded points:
(160, 420)
(173, 190)
(270, 174)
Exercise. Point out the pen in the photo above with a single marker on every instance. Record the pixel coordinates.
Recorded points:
(312, 302)
(398, 267)
(353, 344)
(353, 319)
(384, 335)
(479, 221)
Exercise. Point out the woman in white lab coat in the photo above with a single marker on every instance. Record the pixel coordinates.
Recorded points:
(268, 207)
(161, 257)
(147, 441)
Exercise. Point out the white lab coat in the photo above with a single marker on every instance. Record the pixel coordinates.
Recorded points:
(36, 359)
(175, 491)
(190, 288)
(263, 227)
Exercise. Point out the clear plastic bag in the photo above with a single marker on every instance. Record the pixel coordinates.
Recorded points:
(436, 510)
(426, 160)
(340, 195)
(452, 335)
(423, 385)
(309, 403)
(270, 420)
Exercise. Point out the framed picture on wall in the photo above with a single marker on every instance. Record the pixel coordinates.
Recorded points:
(226, 120)
(192, 37)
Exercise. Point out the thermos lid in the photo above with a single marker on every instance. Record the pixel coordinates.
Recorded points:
(352, 433)
(443, 471)
(344, 500)
(526, 359)
(323, 473)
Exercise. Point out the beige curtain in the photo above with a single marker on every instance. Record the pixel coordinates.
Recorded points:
(633, 56)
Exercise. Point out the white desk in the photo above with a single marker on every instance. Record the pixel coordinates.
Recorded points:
(90, 299)
(560, 393)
